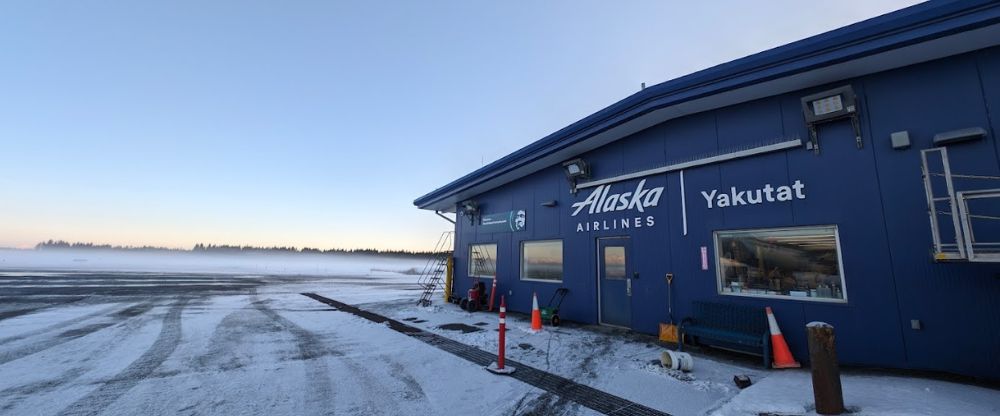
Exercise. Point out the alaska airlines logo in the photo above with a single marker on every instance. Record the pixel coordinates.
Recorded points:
(599, 201)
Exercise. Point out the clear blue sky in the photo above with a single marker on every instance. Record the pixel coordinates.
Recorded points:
(316, 123)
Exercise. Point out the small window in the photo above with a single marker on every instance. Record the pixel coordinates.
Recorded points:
(542, 260)
(614, 263)
(802, 263)
(482, 260)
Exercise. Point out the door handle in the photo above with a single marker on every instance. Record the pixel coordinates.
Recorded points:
(628, 287)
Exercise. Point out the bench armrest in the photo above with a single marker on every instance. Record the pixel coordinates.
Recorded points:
(767, 349)
(680, 332)
(686, 321)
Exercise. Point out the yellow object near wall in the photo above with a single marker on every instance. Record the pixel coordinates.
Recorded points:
(448, 277)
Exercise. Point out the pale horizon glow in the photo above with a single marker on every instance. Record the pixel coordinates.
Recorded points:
(316, 124)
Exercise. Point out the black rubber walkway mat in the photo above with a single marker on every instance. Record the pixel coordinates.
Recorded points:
(587, 396)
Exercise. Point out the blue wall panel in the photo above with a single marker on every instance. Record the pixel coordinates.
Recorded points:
(740, 127)
(925, 100)
(986, 284)
(689, 138)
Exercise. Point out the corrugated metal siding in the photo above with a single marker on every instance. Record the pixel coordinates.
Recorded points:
(874, 195)
(951, 300)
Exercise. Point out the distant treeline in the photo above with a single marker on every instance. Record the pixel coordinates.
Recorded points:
(229, 249)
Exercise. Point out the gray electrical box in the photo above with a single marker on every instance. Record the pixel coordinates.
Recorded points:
(900, 139)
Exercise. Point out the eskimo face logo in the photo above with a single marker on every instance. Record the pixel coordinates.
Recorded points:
(519, 219)
(599, 201)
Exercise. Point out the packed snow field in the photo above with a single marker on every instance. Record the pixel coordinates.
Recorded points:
(90, 342)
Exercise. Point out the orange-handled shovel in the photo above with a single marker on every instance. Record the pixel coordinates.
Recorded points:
(668, 331)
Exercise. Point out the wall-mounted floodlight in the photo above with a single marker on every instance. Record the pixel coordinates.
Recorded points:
(831, 105)
(576, 169)
(469, 209)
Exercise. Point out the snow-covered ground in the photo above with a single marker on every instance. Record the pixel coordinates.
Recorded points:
(624, 365)
(259, 347)
(251, 351)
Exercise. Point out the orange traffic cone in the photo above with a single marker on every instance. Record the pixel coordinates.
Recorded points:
(536, 315)
(782, 356)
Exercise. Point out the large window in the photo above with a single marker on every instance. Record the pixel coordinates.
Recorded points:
(482, 260)
(802, 263)
(542, 260)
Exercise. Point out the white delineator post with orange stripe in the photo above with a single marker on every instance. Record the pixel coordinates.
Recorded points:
(498, 366)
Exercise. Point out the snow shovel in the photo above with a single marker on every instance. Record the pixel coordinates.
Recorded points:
(668, 332)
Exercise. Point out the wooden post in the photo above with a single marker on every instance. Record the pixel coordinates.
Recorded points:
(825, 370)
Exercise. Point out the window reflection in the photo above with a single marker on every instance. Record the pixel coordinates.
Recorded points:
(614, 262)
(797, 262)
(542, 260)
(482, 260)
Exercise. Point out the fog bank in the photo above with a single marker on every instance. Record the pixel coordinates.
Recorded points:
(190, 262)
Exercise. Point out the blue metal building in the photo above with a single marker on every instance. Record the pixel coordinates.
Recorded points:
(850, 178)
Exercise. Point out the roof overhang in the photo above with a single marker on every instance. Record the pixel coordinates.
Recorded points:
(917, 34)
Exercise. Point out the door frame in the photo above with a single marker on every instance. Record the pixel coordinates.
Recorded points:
(597, 276)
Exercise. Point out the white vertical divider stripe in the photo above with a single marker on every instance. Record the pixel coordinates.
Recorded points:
(684, 211)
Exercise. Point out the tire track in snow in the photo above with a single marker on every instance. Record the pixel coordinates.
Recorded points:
(238, 327)
(13, 396)
(142, 367)
(374, 387)
(60, 325)
(413, 390)
(375, 390)
(16, 394)
(319, 387)
(18, 312)
(18, 353)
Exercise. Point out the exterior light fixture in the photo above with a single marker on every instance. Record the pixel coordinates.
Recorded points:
(469, 209)
(576, 169)
(827, 106)
(550, 204)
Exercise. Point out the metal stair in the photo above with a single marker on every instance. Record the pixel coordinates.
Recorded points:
(965, 219)
(436, 269)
